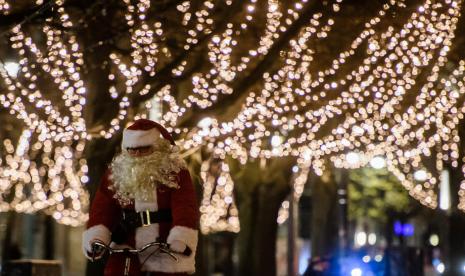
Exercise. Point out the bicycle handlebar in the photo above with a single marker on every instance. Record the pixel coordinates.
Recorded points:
(98, 246)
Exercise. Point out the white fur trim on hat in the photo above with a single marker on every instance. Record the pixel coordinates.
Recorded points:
(139, 138)
(98, 232)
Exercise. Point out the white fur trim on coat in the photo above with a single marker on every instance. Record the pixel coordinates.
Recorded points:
(114, 245)
(98, 232)
(139, 138)
(163, 263)
(184, 234)
(147, 234)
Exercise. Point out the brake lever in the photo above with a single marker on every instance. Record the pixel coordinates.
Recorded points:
(169, 252)
(165, 248)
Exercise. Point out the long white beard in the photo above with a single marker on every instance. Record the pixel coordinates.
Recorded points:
(136, 178)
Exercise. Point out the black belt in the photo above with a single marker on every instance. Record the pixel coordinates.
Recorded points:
(133, 219)
(130, 220)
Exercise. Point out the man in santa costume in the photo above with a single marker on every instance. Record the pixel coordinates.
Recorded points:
(147, 195)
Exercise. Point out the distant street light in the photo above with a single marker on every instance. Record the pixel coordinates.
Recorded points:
(444, 191)
(434, 240)
(372, 238)
(360, 239)
(356, 272)
(11, 68)
(440, 268)
(366, 259)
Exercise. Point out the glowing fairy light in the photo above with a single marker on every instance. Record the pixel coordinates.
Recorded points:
(351, 111)
(4, 7)
(420, 175)
(378, 162)
(12, 68)
(205, 122)
(218, 210)
(353, 158)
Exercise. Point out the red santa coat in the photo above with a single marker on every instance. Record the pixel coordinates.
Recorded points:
(105, 215)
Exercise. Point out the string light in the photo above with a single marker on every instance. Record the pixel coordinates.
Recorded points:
(218, 210)
(4, 7)
(46, 169)
(361, 104)
(405, 53)
(378, 132)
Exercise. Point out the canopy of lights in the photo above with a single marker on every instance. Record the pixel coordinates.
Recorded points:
(390, 94)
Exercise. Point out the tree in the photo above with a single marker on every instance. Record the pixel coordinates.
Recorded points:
(374, 194)
(260, 190)
(254, 80)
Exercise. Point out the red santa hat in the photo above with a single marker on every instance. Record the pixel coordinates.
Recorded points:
(143, 133)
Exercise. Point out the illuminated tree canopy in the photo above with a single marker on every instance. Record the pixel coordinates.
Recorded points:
(374, 194)
(250, 79)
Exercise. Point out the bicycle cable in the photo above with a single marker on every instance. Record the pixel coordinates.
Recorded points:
(146, 259)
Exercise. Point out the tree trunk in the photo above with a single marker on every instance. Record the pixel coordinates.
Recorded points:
(456, 243)
(49, 234)
(99, 154)
(260, 193)
(10, 249)
(454, 228)
(203, 256)
(324, 214)
(257, 238)
(229, 239)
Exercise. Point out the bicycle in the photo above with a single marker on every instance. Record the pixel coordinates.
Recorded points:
(99, 249)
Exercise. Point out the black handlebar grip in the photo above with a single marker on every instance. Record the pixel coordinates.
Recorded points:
(97, 249)
(187, 251)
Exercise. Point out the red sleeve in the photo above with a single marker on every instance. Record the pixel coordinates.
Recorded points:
(104, 209)
(184, 202)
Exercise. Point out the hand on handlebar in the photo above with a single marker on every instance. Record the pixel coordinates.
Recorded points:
(98, 249)
(177, 246)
